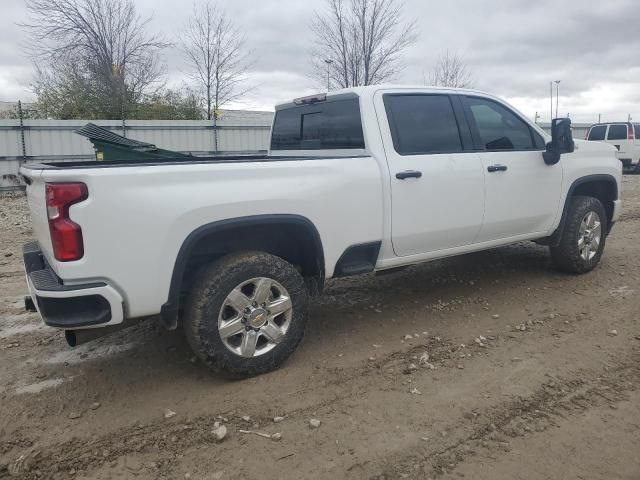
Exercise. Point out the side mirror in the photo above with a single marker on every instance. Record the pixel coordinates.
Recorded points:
(561, 141)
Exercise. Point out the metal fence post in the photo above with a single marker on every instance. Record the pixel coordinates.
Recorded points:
(21, 117)
(215, 131)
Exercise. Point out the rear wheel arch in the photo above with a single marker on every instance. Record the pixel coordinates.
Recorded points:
(291, 237)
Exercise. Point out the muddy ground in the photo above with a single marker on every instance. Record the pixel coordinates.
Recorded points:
(528, 374)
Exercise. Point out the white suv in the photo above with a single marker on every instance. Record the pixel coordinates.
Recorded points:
(624, 136)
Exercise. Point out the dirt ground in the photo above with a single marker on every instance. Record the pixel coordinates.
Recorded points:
(519, 372)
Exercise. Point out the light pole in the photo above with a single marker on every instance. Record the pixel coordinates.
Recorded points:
(557, 82)
(328, 62)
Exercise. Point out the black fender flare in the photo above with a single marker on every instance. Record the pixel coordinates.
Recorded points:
(170, 310)
(554, 238)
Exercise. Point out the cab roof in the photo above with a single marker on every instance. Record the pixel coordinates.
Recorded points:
(369, 90)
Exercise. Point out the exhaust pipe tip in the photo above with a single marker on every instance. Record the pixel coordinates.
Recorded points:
(70, 337)
(80, 336)
(29, 304)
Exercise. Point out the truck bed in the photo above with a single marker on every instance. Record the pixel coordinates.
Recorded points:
(85, 164)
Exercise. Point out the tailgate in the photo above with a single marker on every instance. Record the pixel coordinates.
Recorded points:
(38, 208)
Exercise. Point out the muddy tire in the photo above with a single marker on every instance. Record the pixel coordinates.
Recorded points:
(583, 237)
(246, 313)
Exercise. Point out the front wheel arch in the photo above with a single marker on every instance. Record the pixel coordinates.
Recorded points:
(582, 245)
(604, 187)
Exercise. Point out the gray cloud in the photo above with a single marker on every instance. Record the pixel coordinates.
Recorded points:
(514, 48)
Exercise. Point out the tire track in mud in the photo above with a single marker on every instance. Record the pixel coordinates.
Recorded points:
(557, 399)
(630, 216)
(12, 274)
(80, 455)
(342, 384)
(165, 437)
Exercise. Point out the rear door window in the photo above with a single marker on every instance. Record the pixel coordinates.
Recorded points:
(597, 133)
(499, 128)
(617, 132)
(422, 124)
(323, 126)
(637, 130)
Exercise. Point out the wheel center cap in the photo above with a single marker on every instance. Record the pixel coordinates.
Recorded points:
(257, 318)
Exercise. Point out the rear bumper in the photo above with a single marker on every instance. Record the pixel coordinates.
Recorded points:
(60, 305)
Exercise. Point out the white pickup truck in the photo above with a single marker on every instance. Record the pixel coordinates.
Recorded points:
(360, 180)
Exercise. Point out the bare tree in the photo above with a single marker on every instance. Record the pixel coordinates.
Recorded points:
(216, 55)
(359, 42)
(451, 70)
(103, 42)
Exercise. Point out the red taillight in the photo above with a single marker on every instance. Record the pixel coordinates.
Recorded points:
(631, 134)
(66, 235)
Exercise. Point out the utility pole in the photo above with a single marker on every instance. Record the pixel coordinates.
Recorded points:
(599, 118)
(328, 62)
(557, 82)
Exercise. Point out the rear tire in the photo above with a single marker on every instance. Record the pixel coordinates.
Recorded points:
(246, 314)
(583, 237)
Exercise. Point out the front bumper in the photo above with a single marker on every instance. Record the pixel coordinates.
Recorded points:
(61, 305)
(617, 210)
(628, 165)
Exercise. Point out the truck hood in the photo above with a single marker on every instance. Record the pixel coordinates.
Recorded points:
(595, 147)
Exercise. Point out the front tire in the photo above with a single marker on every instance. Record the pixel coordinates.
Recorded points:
(246, 314)
(583, 237)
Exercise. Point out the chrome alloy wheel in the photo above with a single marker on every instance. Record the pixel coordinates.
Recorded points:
(589, 235)
(255, 317)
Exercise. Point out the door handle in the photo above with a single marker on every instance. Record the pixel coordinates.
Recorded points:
(408, 174)
(497, 168)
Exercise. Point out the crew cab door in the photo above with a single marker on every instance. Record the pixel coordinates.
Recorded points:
(522, 192)
(437, 182)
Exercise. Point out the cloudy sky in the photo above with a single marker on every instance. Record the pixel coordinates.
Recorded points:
(513, 47)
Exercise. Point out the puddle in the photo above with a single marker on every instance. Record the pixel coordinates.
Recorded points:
(89, 351)
(40, 386)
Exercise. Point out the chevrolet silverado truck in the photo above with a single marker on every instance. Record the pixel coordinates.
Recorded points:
(359, 180)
